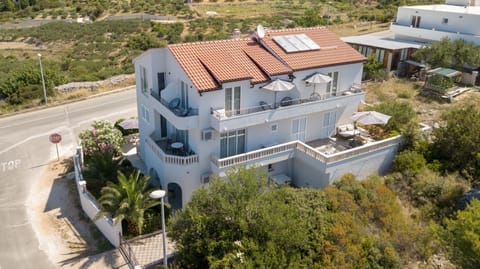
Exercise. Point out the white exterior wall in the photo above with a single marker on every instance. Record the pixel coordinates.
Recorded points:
(460, 25)
(156, 61)
(304, 170)
(107, 226)
(457, 22)
(310, 173)
(463, 2)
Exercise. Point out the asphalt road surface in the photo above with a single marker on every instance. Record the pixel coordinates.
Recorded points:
(25, 151)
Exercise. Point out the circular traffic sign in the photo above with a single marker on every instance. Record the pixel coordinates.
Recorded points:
(55, 138)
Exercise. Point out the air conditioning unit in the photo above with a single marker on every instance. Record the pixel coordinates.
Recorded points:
(205, 178)
(207, 134)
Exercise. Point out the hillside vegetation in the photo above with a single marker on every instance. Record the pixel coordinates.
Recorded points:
(104, 48)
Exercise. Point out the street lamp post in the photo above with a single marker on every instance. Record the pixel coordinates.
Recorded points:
(43, 78)
(155, 195)
(329, 3)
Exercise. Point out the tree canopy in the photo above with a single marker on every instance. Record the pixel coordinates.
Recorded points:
(462, 236)
(457, 144)
(127, 200)
(448, 53)
(243, 222)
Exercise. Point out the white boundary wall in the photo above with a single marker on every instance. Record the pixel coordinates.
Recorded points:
(90, 206)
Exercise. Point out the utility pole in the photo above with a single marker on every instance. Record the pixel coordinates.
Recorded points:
(43, 78)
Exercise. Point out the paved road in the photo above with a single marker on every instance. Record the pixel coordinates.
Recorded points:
(24, 153)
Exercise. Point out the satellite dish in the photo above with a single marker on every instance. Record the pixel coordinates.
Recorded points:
(260, 31)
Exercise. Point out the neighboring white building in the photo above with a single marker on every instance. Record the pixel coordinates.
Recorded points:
(203, 110)
(456, 19)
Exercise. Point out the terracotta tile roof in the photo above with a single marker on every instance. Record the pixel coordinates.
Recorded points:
(209, 64)
(267, 62)
(332, 51)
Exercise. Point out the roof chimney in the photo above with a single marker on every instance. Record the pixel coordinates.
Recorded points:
(236, 34)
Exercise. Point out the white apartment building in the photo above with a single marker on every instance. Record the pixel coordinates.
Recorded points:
(456, 19)
(203, 110)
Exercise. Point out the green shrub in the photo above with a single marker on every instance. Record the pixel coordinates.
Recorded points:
(101, 138)
(409, 162)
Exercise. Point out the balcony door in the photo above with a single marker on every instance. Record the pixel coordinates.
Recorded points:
(328, 124)
(182, 137)
(298, 129)
(415, 21)
(232, 101)
(232, 143)
(184, 96)
(333, 84)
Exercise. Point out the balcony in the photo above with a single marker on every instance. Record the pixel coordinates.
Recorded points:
(288, 108)
(183, 119)
(429, 34)
(326, 151)
(167, 154)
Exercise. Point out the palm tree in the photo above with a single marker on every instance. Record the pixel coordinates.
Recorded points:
(127, 200)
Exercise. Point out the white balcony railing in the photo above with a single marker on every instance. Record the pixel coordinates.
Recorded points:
(253, 155)
(303, 148)
(221, 114)
(168, 158)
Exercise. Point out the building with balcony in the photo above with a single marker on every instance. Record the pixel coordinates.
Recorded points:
(416, 26)
(204, 108)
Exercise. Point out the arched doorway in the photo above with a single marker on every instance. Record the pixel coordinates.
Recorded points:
(175, 196)
(154, 179)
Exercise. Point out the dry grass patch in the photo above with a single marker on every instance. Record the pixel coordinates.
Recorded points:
(428, 110)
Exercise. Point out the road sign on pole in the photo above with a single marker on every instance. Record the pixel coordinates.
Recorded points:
(55, 138)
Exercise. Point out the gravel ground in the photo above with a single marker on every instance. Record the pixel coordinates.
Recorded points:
(67, 235)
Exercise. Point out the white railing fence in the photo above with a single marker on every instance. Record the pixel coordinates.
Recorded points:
(172, 159)
(90, 206)
(304, 148)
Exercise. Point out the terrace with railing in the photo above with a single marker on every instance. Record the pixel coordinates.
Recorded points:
(165, 152)
(311, 149)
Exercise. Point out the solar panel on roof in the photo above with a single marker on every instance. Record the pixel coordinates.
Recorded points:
(282, 42)
(307, 41)
(294, 43)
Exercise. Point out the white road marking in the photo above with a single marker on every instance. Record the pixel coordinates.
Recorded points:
(66, 128)
(9, 165)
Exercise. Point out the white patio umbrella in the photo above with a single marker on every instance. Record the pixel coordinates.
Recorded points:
(370, 117)
(279, 85)
(129, 124)
(318, 78)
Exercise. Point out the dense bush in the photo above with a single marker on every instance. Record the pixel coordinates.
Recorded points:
(103, 137)
(402, 114)
(435, 195)
(409, 162)
(243, 222)
(462, 236)
(457, 145)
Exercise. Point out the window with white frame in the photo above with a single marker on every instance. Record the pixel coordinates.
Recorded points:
(232, 143)
(298, 129)
(145, 114)
(143, 79)
(445, 20)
